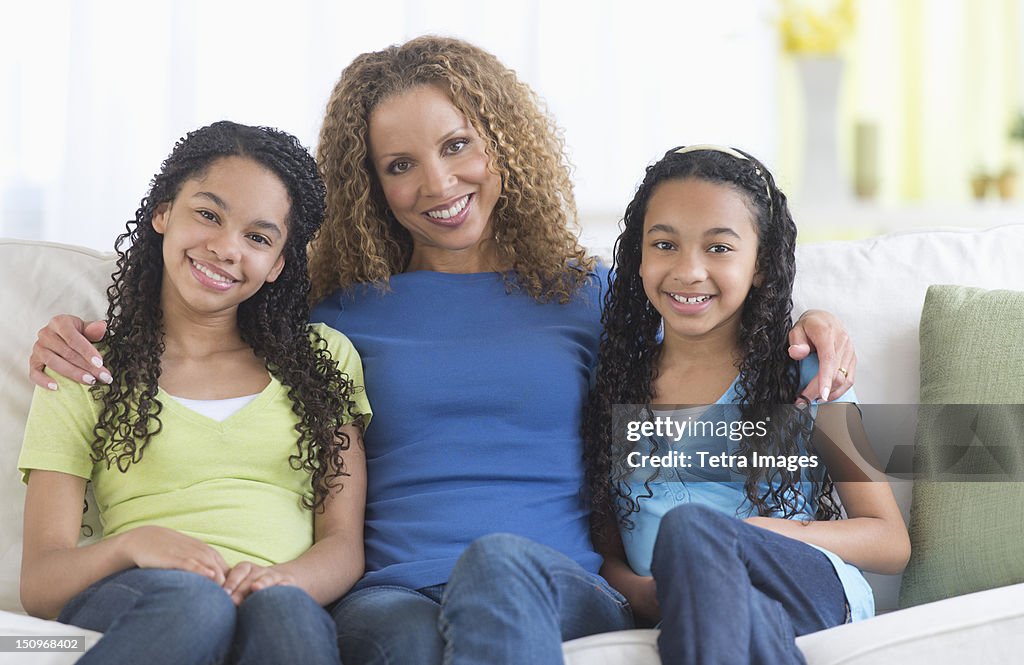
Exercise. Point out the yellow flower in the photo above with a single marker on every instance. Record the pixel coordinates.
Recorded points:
(816, 27)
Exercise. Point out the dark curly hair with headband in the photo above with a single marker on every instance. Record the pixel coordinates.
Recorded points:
(274, 321)
(768, 377)
(533, 215)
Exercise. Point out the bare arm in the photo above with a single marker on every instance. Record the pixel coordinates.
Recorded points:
(873, 537)
(54, 569)
(824, 333)
(638, 589)
(336, 560)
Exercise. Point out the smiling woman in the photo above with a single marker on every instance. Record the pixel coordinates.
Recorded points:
(411, 111)
(436, 176)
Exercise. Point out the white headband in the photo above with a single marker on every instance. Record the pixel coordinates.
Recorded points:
(732, 152)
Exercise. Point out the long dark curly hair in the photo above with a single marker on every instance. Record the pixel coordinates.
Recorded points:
(274, 321)
(535, 215)
(768, 377)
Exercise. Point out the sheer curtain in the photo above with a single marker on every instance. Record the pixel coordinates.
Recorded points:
(93, 93)
(942, 80)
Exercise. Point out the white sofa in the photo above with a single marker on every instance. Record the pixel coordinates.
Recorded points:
(876, 286)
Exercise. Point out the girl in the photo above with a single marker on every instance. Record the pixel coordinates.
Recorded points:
(218, 450)
(734, 556)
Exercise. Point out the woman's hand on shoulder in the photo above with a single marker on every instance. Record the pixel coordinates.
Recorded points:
(64, 345)
(160, 547)
(824, 333)
(248, 577)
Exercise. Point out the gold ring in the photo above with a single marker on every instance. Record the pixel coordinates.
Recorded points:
(845, 374)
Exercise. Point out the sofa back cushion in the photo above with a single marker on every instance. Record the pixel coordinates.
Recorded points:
(875, 286)
(38, 280)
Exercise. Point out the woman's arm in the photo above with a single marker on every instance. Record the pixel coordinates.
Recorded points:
(873, 537)
(638, 589)
(336, 560)
(65, 346)
(54, 569)
(822, 332)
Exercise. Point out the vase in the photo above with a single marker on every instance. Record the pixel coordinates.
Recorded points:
(822, 183)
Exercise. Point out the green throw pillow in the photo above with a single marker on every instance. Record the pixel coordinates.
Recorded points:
(968, 535)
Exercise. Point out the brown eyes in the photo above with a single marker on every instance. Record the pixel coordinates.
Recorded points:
(456, 146)
(401, 166)
(667, 246)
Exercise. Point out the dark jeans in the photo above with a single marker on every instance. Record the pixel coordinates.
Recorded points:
(732, 593)
(509, 600)
(154, 615)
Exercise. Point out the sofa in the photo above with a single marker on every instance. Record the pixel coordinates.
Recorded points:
(876, 286)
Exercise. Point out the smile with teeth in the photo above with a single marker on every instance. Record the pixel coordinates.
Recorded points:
(695, 300)
(448, 213)
(217, 277)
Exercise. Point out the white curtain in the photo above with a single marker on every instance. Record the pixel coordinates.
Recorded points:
(94, 93)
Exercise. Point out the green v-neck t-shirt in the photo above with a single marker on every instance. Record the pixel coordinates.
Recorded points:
(229, 484)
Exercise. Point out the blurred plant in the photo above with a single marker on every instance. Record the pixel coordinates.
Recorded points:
(816, 27)
(1017, 127)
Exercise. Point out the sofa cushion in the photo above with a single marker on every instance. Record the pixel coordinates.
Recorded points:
(967, 529)
(876, 287)
(40, 279)
(976, 629)
(979, 628)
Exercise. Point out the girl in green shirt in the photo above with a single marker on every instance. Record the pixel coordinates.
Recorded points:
(221, 442)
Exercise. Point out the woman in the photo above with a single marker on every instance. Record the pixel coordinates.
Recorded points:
(448, 260)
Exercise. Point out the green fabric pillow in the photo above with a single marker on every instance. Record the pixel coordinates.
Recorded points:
(968, 535)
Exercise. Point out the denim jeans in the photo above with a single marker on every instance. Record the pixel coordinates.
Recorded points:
(731, 592)
(509, 600)
(155, 616)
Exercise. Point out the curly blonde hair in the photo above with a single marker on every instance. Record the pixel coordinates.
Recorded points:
(535, 213)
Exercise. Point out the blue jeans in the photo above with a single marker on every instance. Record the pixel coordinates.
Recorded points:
(731, 592)
(509, 600)
(155, 616)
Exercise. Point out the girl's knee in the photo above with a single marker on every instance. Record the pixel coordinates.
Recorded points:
(284, 624)
(281, 597)
(281, 605)
(690, 518)
(198, 600)
(189, 609)
(689, 526)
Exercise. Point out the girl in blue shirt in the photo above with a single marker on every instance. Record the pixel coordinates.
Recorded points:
(735, 556)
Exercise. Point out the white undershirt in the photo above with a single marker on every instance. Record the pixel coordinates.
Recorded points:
(216, 409)
(684, 412)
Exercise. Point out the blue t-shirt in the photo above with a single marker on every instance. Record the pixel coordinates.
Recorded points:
(477, 396)
(721, 489)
